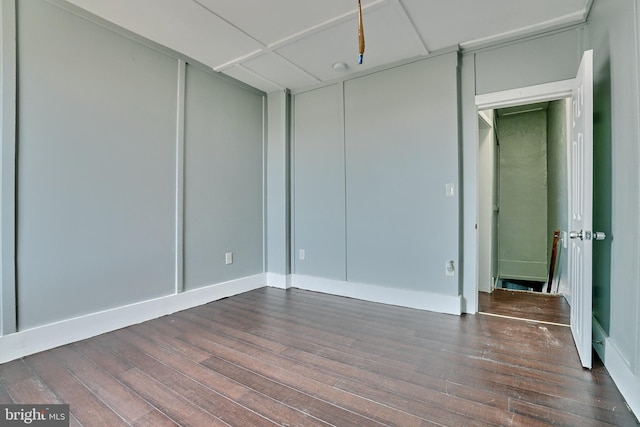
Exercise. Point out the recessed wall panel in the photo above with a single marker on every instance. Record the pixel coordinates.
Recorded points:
(223, 194)
(401, 133)
(96, 168)
(541, 60)
(319, 198)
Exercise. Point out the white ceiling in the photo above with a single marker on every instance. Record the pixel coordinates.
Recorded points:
(276, 44)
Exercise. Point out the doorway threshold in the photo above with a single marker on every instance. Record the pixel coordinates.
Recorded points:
(529, 306)
(523, 319)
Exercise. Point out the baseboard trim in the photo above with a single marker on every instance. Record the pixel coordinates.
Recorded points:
(394, 296)
(30, 341)
(280, 281)
(627, 382)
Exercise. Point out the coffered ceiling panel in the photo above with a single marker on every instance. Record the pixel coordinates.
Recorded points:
(292, 44)
(280, 71)
(443, 23)
(242, 73)
(388, 39)
(276, 20)
(181, 25)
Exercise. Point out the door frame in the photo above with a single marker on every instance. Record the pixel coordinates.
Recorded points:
(553, 91)
(525, 95)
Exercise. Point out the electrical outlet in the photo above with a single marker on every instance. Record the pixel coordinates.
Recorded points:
(301, 254)
(449, 269)
(228, 258)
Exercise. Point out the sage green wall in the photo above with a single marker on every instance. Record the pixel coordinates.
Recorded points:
(528, 62)
(372, 157)
(550, 57)
(602, 194)
(96, 169)
(319, 184)
(223, 191)
(522, 196)
(401, 141)
(98, 194)
(278, 183)
(558, 192)
(7, 167)
(613, 35)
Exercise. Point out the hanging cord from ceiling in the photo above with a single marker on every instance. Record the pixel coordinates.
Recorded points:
(360, 34)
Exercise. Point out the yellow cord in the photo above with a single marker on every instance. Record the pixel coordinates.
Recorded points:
(360, 33)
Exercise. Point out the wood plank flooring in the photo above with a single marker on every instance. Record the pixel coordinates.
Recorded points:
(525, 305)
(273, 357)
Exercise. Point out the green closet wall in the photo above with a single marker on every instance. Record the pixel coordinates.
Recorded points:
(522, 229)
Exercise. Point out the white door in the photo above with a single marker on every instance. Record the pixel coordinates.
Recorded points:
(580, 208)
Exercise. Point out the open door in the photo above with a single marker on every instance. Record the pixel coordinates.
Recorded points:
(581, 209)
(580, 222)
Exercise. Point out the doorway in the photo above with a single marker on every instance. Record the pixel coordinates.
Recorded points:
(523, 192)
(580, 189)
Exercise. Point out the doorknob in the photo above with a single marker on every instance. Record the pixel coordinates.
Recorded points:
(587, 235)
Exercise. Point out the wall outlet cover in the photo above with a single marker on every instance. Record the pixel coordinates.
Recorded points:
(449, 269)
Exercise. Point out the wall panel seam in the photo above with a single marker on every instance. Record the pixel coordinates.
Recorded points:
(179, 202)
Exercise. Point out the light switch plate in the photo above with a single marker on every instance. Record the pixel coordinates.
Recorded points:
(450, 190)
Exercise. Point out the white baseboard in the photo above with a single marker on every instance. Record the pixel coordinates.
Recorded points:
(30, 341)
(280, 281)
(627, 382)
(374, 293)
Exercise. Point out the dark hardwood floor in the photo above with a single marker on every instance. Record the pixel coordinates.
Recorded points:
(537, 306)
(274, 357)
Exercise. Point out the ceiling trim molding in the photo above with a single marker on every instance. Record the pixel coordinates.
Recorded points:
(587, 9)
(325, 25)
(231, 24)
(295, 67)
(272, 47)
(229, 64)
(397, 4)
(257, 75)
(239, 62)
(377, 69)
(552, 24)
